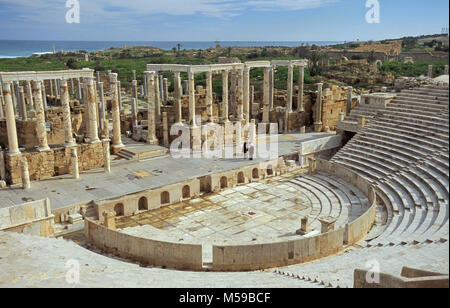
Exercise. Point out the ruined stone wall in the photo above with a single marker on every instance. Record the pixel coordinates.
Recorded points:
(26, 130)
(424, 56)
(57, 161)
(334, 102)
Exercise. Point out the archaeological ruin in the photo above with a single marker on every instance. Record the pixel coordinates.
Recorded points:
(181, 181)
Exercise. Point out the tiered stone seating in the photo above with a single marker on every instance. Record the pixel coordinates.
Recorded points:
(331, 196)
(404, 152)
(361, 111)
(337, 272)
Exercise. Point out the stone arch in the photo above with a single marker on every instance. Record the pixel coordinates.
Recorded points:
(143, 204)
(241, 178)
(186, 192)
(269, 170)
(119, 209)
(165, 197)
(378, 63)
(223, 182)
(255, 173)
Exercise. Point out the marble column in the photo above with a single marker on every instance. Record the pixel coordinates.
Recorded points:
(271, 88)
(166, 90)
(14, 95)
(41, 129)
(151, 136)
(29, 94)
(58, 85)
(101, 107)
(134, 89)
(72, 88)
(225, 96)
(10, 121)
(21, 104)
(191, 78)
(165, 130)
(232, 98)
(160, 88)
(266, 100)
(178, 94)
(209, 96)
(67, 119)
(117, 144)
(246, 93)
(55, 89)
(26, 183)
(349, 100)
(106, 156)
(119, 94)
(134, 120)
(2, 112)
(318, 121)
(79, 90)
(240, 95)
(52, 93)
(301, 85)
(145, 88)
(44, 95)
(185, 87)
(134, 74)
(74, 157)
(290, 88)
(445, 69)
(252, 100)
(158, 97)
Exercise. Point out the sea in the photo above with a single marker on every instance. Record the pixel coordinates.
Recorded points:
(17, 49)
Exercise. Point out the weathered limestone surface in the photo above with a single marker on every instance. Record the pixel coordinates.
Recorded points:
(117, 144)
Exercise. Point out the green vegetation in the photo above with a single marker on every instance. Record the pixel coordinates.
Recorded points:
(413, 70)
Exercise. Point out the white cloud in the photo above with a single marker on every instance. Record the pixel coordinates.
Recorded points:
(110, 8)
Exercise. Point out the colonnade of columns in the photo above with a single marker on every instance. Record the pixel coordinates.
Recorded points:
(34, 92)
(236, 99)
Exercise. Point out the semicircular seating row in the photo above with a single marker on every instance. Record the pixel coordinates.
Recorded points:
(331, 196)
(404, 153)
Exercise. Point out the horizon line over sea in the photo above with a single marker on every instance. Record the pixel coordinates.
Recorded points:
(27, 48)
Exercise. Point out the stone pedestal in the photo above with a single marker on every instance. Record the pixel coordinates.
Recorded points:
(75, 168)
(26, 184)
(304, 228)
(312, 166)
(327, 224)
(109, 220)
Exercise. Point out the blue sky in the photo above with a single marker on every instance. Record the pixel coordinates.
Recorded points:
(223, 20)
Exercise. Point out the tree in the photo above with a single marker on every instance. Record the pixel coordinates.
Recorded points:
(316, 62)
